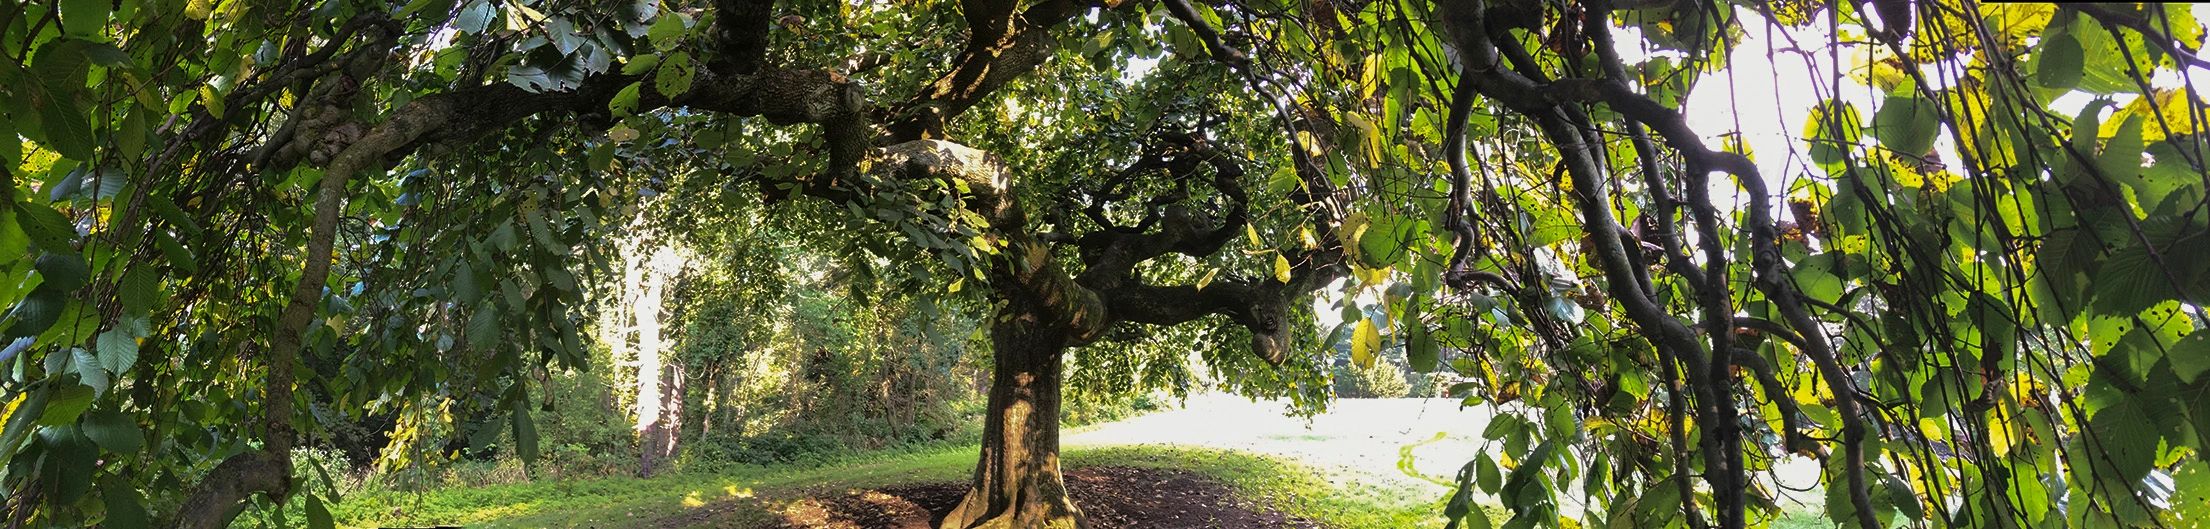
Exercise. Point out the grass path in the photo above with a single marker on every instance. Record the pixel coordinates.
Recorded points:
(749, 497)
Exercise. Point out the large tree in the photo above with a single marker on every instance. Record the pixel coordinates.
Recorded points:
(234, 220)
(333, 97)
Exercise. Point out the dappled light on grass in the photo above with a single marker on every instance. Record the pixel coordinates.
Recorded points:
(698, 498)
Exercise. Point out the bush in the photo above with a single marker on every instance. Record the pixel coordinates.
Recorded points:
(1383, 380)
(1436, 384)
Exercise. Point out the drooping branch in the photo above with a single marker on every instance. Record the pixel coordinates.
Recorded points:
(1766, 268)
(1569, 130)
(219, 496)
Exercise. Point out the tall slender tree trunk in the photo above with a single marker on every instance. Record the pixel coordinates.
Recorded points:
(654, 433)
(1017, 482)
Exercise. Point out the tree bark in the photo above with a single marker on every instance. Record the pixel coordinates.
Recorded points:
(653, 431)
(1017, 483)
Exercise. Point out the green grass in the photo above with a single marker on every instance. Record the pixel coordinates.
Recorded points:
(738, 496)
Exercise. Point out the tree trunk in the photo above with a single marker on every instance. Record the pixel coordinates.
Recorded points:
(1017, 482)
(652, 427)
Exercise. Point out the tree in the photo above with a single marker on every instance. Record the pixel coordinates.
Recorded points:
(372, 191)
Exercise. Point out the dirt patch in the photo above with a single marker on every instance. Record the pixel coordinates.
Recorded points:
(1112, 498)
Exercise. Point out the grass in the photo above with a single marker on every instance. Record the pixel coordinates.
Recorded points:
(741, 495)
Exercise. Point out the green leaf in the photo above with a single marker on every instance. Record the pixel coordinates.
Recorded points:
(1906, 124)
(65, 405)
(118, 351)
(14, 243)
(2121, 156)
(640, 64)
(674, 77)
(178, 255)
(667, 31)
(1899, 495)
(1487, 474)
(2191, 357)
(503, 237)
(2060, 63)
(175, 216)
(2124, 437)
(140, 290)
(87, 366)
(47, 228)
(2191, 494)
(2130, 281)
(69, 463)
(67, 130)
(483, 327)
(525, 434)
(126, 509)
(542, 230)
(467, 288)
(63, 271)
(625, 101)
(113, 431)
(318, 516)
(84, 17)
(37, 312)
(474, 17)
(1420, 349)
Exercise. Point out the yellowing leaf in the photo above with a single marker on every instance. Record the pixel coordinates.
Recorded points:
(2172, 110)
(1365, 343)
(1207, 280)
(1281, 268)
(1369, 138)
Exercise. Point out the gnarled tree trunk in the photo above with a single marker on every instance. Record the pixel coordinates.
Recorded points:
(1017, 482)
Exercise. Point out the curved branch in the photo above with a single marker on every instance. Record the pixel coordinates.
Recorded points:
(1456, 216)
(1673, 128)
(1003, 46)
(1213, 44)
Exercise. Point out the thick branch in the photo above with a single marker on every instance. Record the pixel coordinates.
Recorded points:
(1002, 47)
(1219, 48)
(740, 35)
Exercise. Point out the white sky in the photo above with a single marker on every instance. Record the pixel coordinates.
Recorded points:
(1767, 96)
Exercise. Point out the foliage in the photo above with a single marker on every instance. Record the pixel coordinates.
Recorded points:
(1381, 380)
(230, 226)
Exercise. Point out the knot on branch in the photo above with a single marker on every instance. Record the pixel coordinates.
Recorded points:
(982, 172)
(1267, 316)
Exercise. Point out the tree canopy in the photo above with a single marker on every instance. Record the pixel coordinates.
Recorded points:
(1966, 282)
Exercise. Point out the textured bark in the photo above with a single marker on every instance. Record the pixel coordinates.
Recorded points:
(657, 403)
(1017, 483)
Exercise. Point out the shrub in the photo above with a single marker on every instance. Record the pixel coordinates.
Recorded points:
(1383, 380)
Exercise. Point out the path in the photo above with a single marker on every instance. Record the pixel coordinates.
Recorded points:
(1359, 440)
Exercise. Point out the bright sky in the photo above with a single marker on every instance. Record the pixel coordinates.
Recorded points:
(1767, 94)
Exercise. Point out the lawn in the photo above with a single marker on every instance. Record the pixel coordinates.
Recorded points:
(749, 494)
